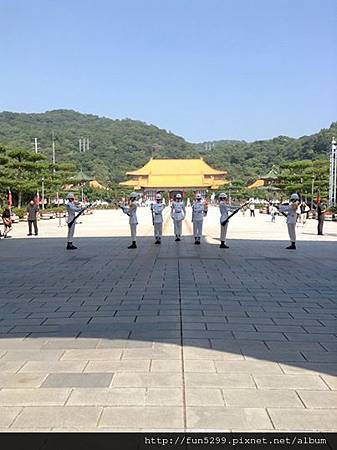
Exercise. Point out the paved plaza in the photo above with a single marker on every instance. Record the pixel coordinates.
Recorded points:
(173, 337)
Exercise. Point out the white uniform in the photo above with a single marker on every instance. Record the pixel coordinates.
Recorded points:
(197, 218)
(72, 211)
(178, 213)
(131, 211)
(291, 220)
(157, 215)
(223, 216)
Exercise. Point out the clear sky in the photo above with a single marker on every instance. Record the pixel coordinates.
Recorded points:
(203, 69)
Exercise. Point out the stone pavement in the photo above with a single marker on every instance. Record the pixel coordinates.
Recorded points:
(179, 337)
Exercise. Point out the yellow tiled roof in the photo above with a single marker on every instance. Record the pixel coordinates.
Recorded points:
(256, 184)
(96, 185)
(175, 173)
(176, 167)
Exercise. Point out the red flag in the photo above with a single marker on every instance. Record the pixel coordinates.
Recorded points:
(318, 199)
(9, 200)
(37, 198)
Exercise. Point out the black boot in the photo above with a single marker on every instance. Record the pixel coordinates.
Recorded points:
(70, 246)
(195, 241)
(223, 245)
(292, 246)
(157, 241)
(133, 245)
(177, 239)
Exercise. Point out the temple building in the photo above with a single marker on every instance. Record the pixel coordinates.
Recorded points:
(175, 175)
(267, 181)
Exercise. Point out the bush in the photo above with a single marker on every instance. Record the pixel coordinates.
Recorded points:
(20, 212)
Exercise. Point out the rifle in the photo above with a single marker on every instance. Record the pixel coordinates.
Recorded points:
(123, 208)
(233, 213)
(152, 214)
(70, 224)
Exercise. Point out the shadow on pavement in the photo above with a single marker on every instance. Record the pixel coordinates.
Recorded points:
(253, 300)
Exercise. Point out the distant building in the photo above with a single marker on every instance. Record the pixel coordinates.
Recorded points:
(175, 175)
(266, 181)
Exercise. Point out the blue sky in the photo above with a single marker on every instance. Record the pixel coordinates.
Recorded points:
(211, 69)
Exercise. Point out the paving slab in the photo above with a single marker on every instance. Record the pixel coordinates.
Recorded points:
(142, 418)
(79, 380)
(179, 337)
(304, 419)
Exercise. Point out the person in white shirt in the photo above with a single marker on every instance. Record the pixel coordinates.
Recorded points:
(72, 209)
(198, 212)
(131, 211)
(223, 207)
(292, 219)
(178, 213)
(157, 218)
(273, 212)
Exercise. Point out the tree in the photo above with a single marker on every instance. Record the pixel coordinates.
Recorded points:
(305, 177)
(22, 171)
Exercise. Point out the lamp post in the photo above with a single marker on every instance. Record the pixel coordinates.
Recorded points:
(42, 192)
(333, 173)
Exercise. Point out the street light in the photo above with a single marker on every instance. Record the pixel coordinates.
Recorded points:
(42, 192)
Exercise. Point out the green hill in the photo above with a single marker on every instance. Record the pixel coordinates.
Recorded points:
(120, 145)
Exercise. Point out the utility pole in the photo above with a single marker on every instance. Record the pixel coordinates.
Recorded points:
(333, 174)
(83, 145)
(36, 145)
(42, 192)
(53, 147)
(312, 192)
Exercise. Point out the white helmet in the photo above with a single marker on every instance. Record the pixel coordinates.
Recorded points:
(294, 197)
(133, 195)
(198, 196)
(158, 197)
(178, 195)
(70, 195)
(222, 195)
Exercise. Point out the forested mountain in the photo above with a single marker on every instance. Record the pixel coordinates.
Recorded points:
(120, 145)
(250, 159)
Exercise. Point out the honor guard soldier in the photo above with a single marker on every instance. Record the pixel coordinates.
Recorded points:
(292, 219)
(131, 211)
(157, 218)
(178, 214)
(72, 209)
(198, 212)
(223, 216)
(320, 217)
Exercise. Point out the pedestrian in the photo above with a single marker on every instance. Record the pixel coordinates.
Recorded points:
(223, 206)
(320, 217)
(131, 211)
(304, 212)
(72, 209)
(32, 216)
(292, 219)
(273, 212)
(178, 213)
(157, 218)
(252, 209)
(198, 213)
(7, 221)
